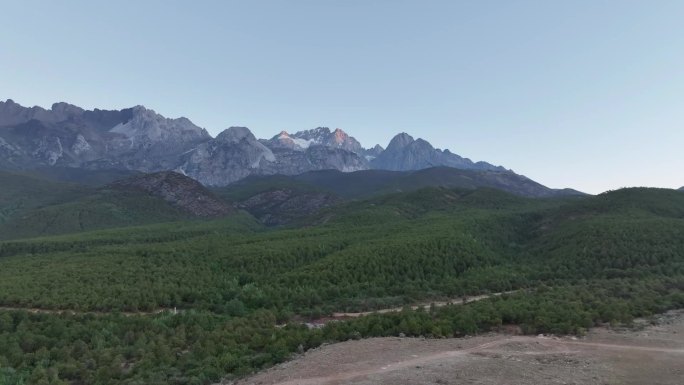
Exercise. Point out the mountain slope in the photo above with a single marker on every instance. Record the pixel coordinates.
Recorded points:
(81, 176)
(22, 193)
(99, 210)
(282, 206)
(35, 207)
(178, 190)
(369, 183)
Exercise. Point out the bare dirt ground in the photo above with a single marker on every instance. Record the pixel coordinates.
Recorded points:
(652, 354)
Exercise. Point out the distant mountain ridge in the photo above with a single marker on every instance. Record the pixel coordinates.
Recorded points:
(139, 139)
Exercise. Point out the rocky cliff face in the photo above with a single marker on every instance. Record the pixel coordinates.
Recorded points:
(66, 135)
(234, 154)
(374, 152)
(405, 153)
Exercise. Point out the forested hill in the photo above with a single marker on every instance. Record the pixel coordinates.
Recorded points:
(572, 263)
(33, 205)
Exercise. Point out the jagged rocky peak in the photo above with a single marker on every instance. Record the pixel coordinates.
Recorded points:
(322, 136)
(66, 109)
(12, 113)
(405, 153)
(373, 153)
(400, 141)
(285, 140)
(340, 136)
(145, 124)
(318, 133)
(235, 135)
(10, 106)
(423, 142)
(234, 154)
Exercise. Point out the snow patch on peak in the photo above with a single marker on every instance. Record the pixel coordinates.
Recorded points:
(318, 134)
(294, 142)
(303, 143)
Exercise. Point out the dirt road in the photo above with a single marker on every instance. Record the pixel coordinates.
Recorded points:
(340, 316)
(74, 312)
(654, 355)
(426, 305)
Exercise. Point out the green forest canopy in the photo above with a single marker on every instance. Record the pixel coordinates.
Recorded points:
(576, 262)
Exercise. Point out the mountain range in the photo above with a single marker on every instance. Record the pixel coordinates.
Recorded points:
(139, 139)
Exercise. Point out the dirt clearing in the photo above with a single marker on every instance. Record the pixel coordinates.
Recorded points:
(652, 354)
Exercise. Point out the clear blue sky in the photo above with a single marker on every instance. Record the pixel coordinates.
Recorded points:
(582, 93)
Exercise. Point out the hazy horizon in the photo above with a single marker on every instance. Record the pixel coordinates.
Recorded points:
(585, 95)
